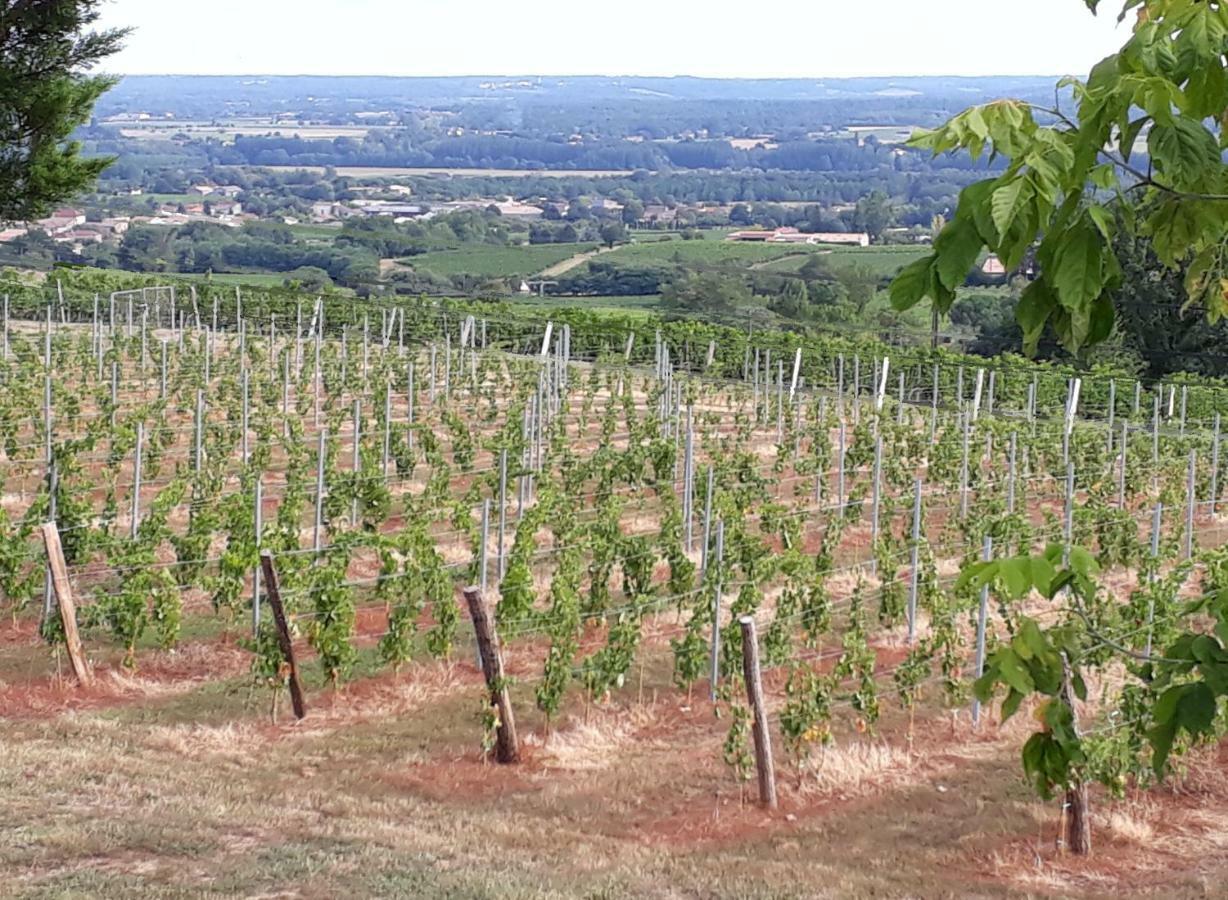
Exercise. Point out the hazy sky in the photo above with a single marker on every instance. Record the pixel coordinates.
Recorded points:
(735, 38)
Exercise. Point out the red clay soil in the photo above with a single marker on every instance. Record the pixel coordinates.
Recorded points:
(43, 696)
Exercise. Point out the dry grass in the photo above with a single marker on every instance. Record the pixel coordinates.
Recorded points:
(854, 769)
(381, 793)
(595, 745)
(1129, 824)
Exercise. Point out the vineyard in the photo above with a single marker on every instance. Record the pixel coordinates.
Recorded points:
(663, 562)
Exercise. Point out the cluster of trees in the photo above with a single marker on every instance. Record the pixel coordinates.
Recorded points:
(202, 247)
(408, 148)
(768, 199)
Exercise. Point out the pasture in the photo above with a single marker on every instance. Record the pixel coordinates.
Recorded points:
(494, 261)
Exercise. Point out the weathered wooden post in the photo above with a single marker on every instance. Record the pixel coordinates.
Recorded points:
(754, 696)
(68, 606)
(507, 749)
(273, 589)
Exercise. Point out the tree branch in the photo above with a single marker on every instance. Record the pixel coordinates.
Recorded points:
(1144, 179)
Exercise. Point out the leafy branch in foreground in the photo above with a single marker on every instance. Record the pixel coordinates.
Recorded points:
(1171, 698)
(1075, 179)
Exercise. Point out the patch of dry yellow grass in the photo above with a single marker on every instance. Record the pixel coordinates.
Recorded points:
(1128, 824)
(595, 745)
(855, 768)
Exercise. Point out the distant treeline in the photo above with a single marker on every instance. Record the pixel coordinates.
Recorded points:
(410, 149)
(590, 105)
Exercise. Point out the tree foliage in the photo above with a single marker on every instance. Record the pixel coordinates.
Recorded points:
(1140, 152)
(46, 49)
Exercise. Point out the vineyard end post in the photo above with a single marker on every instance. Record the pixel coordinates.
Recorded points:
(507, 748)
(67, 604)
(754, 695)
(273, 589)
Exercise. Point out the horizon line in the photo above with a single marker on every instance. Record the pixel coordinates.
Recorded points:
(805, 78)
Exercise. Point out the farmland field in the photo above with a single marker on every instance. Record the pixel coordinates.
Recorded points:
(394, 171)
(315, 232)
(227, 132)
(768, 257)
(633, 512)
(712, 251)
(880, 260)
(494, 261)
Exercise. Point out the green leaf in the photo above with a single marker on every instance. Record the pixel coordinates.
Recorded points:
(909, 287)
(1036, 305)
(977, 574)
(1016, 575)
(1032, 638)
(1014, 673)
(1165, 708)
(1161, 738)
(1083, 561)
(956, 249)
(1176, 226)
(1196, 709)
(1078, 274)
(1043, 574)
(1185, 153)
(1101, 317)
(1011, 704)
(1103, 220)
(1129, 136)
(1104, 176)
(1006, 202)
(983, 687)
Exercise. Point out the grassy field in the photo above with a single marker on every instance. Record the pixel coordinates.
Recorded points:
(228, 132)
(708, 251)
(171, 782)
(714, 251)
(315, 232)
(882, 260)
(394, 171)
(176, 198)
(496, 262)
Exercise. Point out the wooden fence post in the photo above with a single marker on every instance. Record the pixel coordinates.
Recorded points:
(507, 749)
(754, 694)
(273, 590)
(68, 607)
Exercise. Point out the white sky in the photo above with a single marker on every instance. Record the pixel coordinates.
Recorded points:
(715, 38)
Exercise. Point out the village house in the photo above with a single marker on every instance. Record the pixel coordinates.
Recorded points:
(605, 204)
(79, 237)
(60, 222)
(516, 210)
(327, 210)
(108, 227)
(660, 215)
(993, 266)
(386, 208)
